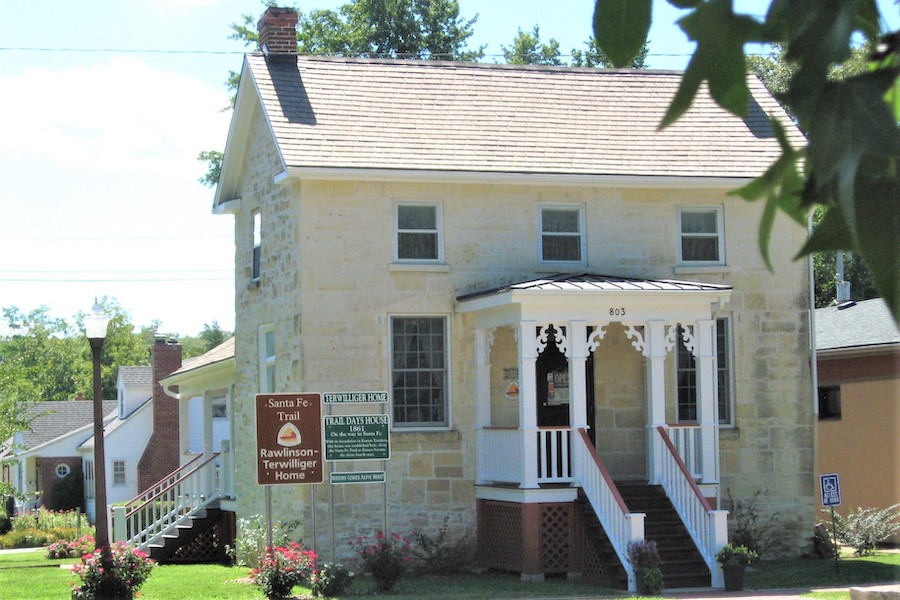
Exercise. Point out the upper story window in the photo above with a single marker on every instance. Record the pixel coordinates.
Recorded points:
(118, 472)
(688, 410)
(561, 233)
(257, 244)
(701, 239)
(418, 233)
(267, 359)
(419, 373)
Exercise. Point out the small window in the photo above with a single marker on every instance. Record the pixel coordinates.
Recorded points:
(89, 483)
(257, 244)
(419, 371)
(418, 233)
(830, 402)
(219, 408)
(118, 472)
(267, 359)
(700, 239)
(61, 470)
(561, 234)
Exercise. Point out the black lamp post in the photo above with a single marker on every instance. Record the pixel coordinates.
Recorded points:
(95, 330)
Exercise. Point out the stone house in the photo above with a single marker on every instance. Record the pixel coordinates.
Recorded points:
(560, 299)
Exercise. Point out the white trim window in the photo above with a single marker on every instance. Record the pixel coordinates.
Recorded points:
(701, 239)
(255, 267)
(118, 472)
(267, 359)
(686, 377)
(89, 486)
(61, 470)
(561, 234)
(420, 378)
(418, 232)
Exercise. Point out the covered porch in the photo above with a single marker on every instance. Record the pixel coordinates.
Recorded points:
(574, 394)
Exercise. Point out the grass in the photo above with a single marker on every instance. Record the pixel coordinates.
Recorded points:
(30, 576)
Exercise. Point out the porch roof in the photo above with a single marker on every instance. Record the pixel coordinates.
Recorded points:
(588, 295)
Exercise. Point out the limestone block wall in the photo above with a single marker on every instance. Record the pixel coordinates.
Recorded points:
(329, 287)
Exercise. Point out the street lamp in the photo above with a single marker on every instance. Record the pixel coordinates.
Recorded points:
(95, 330)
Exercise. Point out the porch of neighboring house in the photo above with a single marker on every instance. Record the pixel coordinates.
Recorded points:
(576, 456)
(188, 516)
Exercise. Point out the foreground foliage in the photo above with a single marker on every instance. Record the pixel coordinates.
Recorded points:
(864, 528)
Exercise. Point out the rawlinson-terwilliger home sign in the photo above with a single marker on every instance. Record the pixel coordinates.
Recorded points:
(288, 438)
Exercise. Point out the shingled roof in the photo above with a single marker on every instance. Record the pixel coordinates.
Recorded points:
(51, 420)
(344, 113)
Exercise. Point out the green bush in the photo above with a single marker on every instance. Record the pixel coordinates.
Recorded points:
(24, 538)
(46, 519)
(250, 546)
(864, 528)
(330, 581)
(439, 557)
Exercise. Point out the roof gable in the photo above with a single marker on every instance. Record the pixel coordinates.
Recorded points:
(342, 113)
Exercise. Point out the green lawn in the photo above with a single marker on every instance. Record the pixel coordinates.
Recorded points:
(22, 579)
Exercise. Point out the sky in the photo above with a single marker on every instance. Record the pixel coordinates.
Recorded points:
(104, 106)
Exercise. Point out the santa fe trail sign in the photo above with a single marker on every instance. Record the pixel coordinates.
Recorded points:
(288, 438)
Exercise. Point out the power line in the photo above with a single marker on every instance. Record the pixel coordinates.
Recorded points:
(108, 280)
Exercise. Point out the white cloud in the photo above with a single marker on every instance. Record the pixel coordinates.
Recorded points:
(119, 115)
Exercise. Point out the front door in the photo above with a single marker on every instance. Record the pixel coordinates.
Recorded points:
(552, 387)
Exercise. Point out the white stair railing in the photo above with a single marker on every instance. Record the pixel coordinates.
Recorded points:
(621, 526)
(174, 499)
(708, 527)
(689, 443)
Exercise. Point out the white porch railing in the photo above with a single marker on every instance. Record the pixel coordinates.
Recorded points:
(689, 443)
(621, 526)
(708, 527)
(184, 492)
(500, 453)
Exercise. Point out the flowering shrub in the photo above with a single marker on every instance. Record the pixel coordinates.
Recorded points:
(644, 558)
(129, 569)
(71, 549)
(282, 568)
(250, 546)
(385, 559)
(330, 581)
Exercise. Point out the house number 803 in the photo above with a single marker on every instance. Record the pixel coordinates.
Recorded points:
(617, 312)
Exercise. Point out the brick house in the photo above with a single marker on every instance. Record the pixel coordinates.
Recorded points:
(560, 299)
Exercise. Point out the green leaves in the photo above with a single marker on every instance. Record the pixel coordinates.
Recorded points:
(719, 59)
(621, 27)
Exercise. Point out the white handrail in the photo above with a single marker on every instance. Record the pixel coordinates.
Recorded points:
(689, 443)
(500, 452)
(188, 490)
(621, 526)
(707, 527)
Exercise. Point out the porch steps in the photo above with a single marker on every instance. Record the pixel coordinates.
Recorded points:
(601, 563)
(683, 566)
(201, 538)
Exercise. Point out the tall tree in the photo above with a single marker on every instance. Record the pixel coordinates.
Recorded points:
(211, 336)
(593, 56)
(851, 163)
(527, 49)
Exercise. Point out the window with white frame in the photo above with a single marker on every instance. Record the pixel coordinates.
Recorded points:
(118, 472)
(701, 240)
(687, 377)
(419, 372)
(418, 227)
(267, 359)
(561, 234)
(61, 470)
(89, 486)
(257, 245)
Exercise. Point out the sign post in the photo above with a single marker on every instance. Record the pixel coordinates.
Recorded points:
(830, 485)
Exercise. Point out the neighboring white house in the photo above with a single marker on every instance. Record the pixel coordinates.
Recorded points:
(34, 461)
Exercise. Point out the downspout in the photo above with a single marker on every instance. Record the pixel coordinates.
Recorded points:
(170, 393)
(814, 366)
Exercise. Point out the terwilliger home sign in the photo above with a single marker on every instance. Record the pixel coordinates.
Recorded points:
(288, 438)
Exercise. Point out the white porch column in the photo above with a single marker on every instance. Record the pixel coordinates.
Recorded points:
(577, 353)
(483, 340)
(527, 343)
(655, 351)
(707, 393)
(207, 425)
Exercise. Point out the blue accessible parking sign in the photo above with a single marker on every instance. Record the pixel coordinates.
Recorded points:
(831, 489)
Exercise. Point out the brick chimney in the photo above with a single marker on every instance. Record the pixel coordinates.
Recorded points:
(278, 33)
(161, 454)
